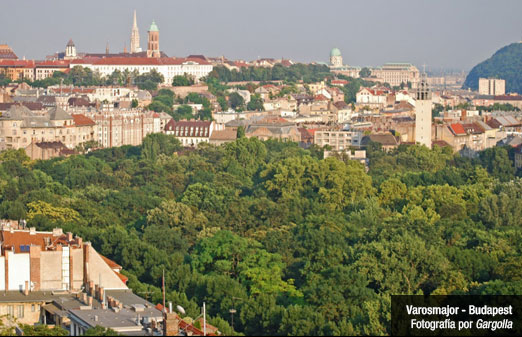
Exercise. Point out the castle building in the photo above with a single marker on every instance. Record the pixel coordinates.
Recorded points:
(135, 37)
(336, 59)
(337, 66)
(423, 113)
(153, 45)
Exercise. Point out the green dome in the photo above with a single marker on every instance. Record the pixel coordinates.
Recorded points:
(153, 27)
(335, 52)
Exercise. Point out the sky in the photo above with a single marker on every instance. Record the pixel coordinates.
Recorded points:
(443, 34)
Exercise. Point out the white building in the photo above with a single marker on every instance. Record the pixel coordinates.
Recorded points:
(492, 86)
(193, 132)
(168, 67)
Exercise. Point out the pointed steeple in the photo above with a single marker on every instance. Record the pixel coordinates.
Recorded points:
(135, 36)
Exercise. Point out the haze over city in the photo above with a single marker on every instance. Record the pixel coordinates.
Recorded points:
(442, 34)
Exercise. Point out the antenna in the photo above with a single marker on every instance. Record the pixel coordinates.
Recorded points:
(163, 288)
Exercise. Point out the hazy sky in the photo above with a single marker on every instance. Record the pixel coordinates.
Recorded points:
(441, 33)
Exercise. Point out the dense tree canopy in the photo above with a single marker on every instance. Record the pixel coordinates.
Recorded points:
(295, 243)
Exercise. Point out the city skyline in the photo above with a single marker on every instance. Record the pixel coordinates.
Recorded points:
(202, 33)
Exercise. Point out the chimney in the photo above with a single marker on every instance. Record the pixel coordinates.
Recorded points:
(170, 324)
(89, 301)
(84, 298)
(79, 241)
(91, 288)
(57, 232)
(69, 236)
(102, 293)
(32, 231)
(96, 291)
(96, 318)
(26, 289)
(463, 114)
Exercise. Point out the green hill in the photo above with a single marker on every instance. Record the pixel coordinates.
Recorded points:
(506, 64)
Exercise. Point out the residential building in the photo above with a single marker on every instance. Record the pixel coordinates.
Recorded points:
(47, 150)
(192, 132)
(387, 140)
(492, 86)
(19, 127)
(227, 135)
(338, 140)
(122, 127)
(273, 128)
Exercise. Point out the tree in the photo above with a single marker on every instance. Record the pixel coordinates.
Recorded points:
(365, 72)
(236, 101)
(100, 331)
(149, 81)
(182, 80)
(256, 103)
(135, 103)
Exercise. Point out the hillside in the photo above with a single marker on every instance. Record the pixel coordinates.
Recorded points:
(506, 63)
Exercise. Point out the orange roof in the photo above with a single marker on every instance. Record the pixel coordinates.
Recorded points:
(110, 263)
(320, 98)
(82, 120)
(122, 277)
(457, 129)
(16, 239)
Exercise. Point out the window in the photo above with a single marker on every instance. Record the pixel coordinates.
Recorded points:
(10, 310)
(20, 311)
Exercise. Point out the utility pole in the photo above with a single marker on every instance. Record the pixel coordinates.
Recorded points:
(163, 289)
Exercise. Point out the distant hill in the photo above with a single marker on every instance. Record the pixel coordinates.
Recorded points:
(506, 64)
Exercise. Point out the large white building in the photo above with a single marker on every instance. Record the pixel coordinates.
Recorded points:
(168, 67)
(397, 73)
(492, 86)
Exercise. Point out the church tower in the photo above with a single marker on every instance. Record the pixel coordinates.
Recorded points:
(153, 46)
(135, 37)
(70, 51)
(423, 113)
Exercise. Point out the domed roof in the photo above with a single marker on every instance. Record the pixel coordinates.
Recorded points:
(153, 27)
(335, 52)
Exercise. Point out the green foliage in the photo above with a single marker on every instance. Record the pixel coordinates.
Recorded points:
(295, 243)
(100, 331)
(182, 81)
(149, 81)
(236, 102)
(308, 73)
(365, 72)
(506, 64)
(256, 103)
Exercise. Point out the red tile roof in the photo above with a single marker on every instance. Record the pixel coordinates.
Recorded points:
(82, 120)
(457, 129)
(19, 238)
(139, 61)
(321, 98)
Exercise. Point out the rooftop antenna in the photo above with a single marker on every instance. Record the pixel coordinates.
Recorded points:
(163, 288)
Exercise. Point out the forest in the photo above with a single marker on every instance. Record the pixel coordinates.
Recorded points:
(296, 244)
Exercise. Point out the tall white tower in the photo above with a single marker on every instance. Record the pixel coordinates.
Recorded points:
(135, 37)
(423, 113)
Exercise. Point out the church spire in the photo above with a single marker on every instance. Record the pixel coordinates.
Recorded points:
(135, 36)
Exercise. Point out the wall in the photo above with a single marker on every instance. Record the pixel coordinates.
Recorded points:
(2, 273)
(97, 267)
(31, 311)
(19, 270)
(51, 270)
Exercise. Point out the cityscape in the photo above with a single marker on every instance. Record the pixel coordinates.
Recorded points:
(144, 193)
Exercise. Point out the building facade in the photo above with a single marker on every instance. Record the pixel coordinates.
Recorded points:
(492, 86)
(397, 73)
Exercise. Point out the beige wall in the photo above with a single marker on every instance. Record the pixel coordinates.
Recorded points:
(51, 270)
(98, 267)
